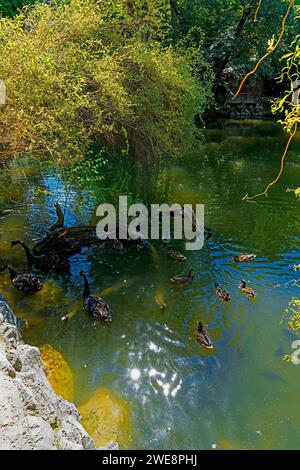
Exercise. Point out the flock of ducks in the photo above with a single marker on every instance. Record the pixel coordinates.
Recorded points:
(201, 333)
(96, 306)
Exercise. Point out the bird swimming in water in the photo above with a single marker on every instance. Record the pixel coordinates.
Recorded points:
(95, 306)
(45, 262)
(25, 283)
(6, 212)
(246, 258)
(202, 336)
(183, 278)
(222, 293)
(248, 291)
(176, 255)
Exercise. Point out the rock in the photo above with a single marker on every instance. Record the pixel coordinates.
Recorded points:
(5, 366)
(106, 418)
(112, 445)
(14, 358)
(32, 415)
(58, 372)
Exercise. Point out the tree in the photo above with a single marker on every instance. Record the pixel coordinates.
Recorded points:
(83, 72)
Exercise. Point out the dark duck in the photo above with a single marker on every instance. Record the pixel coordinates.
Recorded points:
(95, 306)
(202, 336)
(183, 278)
(44, 262)
(25, 283)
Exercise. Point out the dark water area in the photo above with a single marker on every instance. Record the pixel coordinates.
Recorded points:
(239, 395)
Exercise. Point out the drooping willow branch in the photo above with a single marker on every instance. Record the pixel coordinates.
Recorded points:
(257, 11)
(271, 49)
(265, 192)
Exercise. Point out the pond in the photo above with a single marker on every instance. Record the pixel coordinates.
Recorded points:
(239, 395)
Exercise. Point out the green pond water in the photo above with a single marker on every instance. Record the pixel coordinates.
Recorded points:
(241, 394)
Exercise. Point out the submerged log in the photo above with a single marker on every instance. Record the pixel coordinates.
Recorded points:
(67, 241)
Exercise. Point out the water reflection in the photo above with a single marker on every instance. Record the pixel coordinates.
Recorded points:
(182, 396)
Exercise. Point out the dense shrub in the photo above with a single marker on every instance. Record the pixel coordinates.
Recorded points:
(82, 71)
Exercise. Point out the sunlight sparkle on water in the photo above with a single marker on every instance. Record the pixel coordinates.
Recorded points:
(135, 374)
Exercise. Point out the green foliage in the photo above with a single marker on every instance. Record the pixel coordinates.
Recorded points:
(229, 34)
(289, 74)
(293, 315)
(83, 172)
(11, 7)
(297, 193)
(83, 71)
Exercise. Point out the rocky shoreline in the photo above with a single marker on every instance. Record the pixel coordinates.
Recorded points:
(32, 415)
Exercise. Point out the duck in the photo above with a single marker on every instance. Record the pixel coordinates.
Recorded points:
(202, 336)
(25, 283)
(222, 293)
(183, 278)
(45, 262)
(244, 258)
(6, 212)
(248, 291)
(176, 255)
(95, 306)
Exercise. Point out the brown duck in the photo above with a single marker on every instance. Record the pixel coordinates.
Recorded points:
(248, 291)
(246, 258)
(202, 336)
(176, 255)
(222, 293)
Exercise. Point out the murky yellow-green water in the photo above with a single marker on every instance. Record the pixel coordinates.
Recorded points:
(241, 394)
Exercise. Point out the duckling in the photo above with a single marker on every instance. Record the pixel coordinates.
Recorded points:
(222, 293)
(202, 336)
(23, 282)
(183, 278)
(95, 306)
(248, 291)
(244, 258)
(45, 262)
(176, 255)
